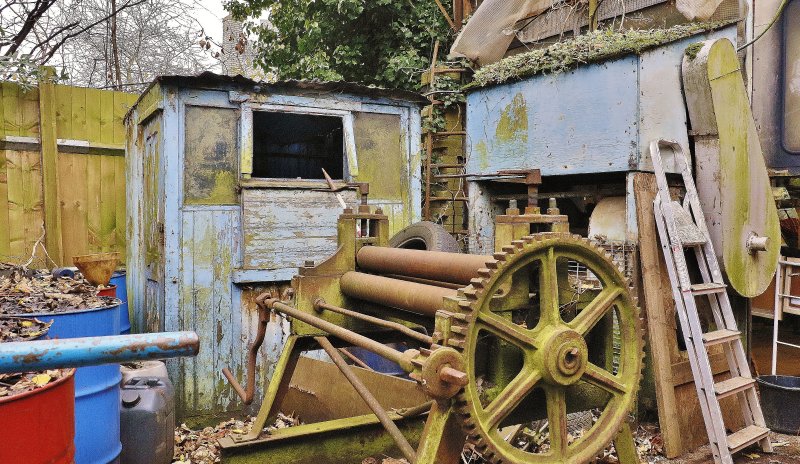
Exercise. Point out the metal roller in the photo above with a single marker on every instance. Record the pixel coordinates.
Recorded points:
(408, 296)
(433, 265)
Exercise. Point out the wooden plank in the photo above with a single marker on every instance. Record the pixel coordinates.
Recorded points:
(222, 313)
(50, 180)
(33, 206)
(203, 248)
(29, 112)
(78, 113)
(107, 121)
(4, 207)
(93, 114)
(119, 208)
(10, 108)
(307, 229)
(74, 205)
(64, 112)
(16, 213)
(659, 311)
(94, 196)
(107, 211)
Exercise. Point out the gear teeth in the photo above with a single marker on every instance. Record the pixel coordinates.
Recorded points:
(459, 330)
(518, 243)
(509, 249)
(471, 293)
(456, 343)
(476, 282)
(499, 256)
(485, 272)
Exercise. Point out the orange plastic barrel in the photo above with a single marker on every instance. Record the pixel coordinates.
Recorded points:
(39, 426)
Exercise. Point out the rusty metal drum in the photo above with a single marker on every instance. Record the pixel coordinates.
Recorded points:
(39, 426)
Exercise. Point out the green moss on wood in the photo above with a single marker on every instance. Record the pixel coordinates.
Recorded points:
(692, 50)
(587, 48)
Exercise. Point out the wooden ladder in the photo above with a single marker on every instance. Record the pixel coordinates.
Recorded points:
(681, 227)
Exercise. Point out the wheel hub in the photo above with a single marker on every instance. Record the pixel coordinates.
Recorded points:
(564, 357)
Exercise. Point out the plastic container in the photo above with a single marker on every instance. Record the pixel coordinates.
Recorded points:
(119, 279)
(780, 401)
(147, 421)
(379, 363)
(143, 369)
(39, 426)
(109, 290)
(96, 387)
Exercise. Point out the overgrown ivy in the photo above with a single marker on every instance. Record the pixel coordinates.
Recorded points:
(385, 43)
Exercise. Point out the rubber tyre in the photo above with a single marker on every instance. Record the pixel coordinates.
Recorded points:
(425, 235)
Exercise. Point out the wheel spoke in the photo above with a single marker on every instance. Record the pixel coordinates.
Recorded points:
(510, 397)
(557, 420)
(506, 329)
(548, 290)
(604, 379)
(594, 311)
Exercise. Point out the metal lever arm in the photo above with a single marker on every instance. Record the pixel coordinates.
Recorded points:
(247, 395)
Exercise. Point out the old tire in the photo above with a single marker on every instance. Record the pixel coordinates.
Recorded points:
(425, 235)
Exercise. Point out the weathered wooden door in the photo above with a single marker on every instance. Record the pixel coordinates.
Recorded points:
(153, 220)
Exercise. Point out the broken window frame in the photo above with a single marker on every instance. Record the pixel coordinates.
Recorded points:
(350, 161)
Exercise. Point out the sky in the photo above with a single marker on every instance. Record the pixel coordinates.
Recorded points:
(210, 13)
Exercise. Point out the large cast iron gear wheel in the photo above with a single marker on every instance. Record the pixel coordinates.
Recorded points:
(556, 351)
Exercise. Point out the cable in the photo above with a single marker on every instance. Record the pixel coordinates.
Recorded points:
(771, 23)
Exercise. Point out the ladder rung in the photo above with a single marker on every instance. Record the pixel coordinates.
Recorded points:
(720, 336)
(732, 385)
(708, 288)
(745, 437)
(693, 243)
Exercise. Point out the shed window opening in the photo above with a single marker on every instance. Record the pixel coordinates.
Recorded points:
(297, 146)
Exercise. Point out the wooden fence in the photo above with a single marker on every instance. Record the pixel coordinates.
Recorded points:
(62, 172)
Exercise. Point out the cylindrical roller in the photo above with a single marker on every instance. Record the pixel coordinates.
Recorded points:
(433, 265)
(408, 296)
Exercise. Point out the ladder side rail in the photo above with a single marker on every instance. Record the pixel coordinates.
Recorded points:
(749, 413)
(717, 437)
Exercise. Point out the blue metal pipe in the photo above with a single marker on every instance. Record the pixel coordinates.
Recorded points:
(91, 351)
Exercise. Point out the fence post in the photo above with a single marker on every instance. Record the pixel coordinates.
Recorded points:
(49, 144)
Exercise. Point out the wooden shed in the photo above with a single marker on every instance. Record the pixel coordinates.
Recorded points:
(226, 198)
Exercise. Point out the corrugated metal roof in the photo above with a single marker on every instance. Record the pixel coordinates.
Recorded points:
(209, 80)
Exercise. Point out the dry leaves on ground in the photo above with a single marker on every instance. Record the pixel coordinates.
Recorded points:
(200, 446)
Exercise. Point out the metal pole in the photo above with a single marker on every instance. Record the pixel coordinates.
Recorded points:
(347, 335)
(320, 304)
(401, 294)
(91, 351)
(374, 405)
(457, 268)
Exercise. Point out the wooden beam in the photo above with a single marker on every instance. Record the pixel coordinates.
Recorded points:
(659, 312)
(49, 142)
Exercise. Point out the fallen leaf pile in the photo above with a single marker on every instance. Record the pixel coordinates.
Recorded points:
(26, 291)
(18, 329)
(16, 384)
(200, 446)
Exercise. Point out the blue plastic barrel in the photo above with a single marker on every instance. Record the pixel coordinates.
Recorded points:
(118, 279)
(97, 396)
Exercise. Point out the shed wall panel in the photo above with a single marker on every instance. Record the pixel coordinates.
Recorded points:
(284, 227)
(581, 121)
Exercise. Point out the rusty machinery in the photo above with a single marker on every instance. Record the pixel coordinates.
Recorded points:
(544, 327)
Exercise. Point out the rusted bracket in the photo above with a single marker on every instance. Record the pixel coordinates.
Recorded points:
(247, 395)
